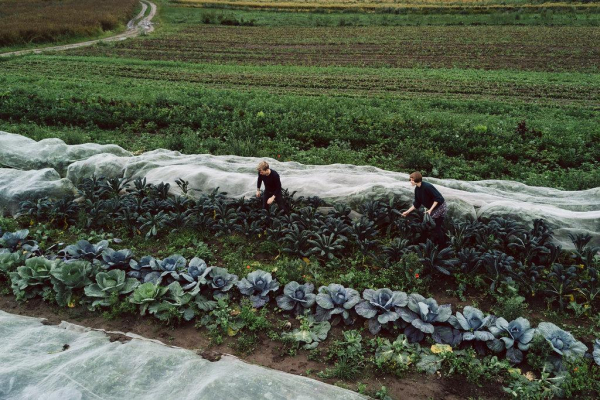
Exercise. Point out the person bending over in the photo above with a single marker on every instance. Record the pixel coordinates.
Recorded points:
(428, 196)
(272, 186)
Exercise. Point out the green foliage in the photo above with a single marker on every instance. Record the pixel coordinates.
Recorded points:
(582, 379)
(510, 306)
(110, 284)
(310, 333)
(32, 279)
(476, 370)
(69, 280)
(395, 357)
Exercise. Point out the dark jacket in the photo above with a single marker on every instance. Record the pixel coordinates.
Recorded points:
(426, 195)
(272, 182)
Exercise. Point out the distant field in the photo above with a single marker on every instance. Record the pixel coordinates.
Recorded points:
(496, 95)
(39, 21)
(388, 5)
(504, 47)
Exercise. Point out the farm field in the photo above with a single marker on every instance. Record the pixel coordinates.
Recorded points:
(28, 22)
(519, 102)
(465, 90)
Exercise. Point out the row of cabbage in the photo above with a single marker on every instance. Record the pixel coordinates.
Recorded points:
(96, 275)
(500, 250)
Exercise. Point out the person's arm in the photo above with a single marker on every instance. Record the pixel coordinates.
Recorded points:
(437, 198)
(435, 203)
(411, 209)
(260, 179)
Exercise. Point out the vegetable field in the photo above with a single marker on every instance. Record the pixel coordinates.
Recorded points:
(468, 90)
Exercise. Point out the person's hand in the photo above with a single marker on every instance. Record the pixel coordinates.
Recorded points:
(428, 211)
(258, 193)
(405, 213)
(270, 201)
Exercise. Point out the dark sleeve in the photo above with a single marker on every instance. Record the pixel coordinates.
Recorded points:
(277, 184)
(437, 196)
(260, 179)
(417, 202)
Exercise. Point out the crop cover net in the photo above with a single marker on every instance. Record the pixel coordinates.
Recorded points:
(565, 211)
(69, 362)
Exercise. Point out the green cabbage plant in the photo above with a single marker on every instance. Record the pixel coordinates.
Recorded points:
(148, 294)
(311, 333)
(110, 283)
(32, 279)
(9, 262)
(175, 303)
(69, 278)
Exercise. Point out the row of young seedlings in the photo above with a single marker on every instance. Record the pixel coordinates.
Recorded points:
(98, 275)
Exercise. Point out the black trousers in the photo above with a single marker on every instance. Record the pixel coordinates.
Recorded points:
(438, 234)
(278, 199)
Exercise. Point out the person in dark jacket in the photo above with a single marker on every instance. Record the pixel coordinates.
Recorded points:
(272, 183)
(428, 196)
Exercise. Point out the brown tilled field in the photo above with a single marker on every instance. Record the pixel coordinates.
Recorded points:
(527, 48)
(38, 21)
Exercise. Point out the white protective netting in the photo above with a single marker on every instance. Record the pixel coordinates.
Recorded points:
(566, 211)
(35, 364)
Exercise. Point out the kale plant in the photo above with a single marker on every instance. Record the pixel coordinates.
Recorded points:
(421, 314)
(109, 283)
(434, 259)
(257, 285)
(336, 300)
(297, 297)
(515, 337)
(562, 281)
(380, 307)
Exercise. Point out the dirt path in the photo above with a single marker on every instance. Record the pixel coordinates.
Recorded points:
(141, 23)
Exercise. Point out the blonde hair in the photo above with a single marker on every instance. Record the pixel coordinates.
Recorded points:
(262, 166)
